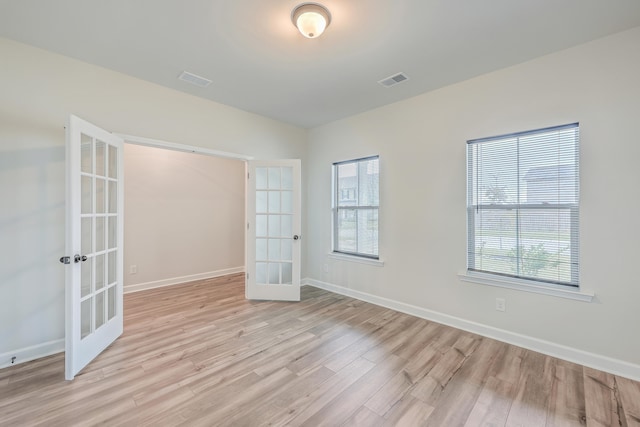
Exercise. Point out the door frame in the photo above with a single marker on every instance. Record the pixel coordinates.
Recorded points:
(158, 143)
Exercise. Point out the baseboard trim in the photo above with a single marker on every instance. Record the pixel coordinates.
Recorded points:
(592, 360)
(33, 352)
(183, 279)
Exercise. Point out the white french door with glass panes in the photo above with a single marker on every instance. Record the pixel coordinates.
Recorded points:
(94, 257)
(273, 230)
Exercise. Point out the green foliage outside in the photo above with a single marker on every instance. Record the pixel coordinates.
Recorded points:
(534, 259)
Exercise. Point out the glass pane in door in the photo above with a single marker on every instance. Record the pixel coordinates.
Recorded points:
(112, 268)
(86, 277)
(100, 195)
(86, 198)
(86, 234)
(287, 250)
(101, 158)
(113, 162)
(85, 317)
(98, 233)
(261, 178)
(274, 209)
(274, 178)
(261, 201)
(111, 303)
(261, 225)
(287, 275)
(99, 309)
(287, 225)
(113, 232)
(287, 202)
(86, 153)
(274, 273)
(99, 264)
(274, 249)
(274, 201)
(113, 197)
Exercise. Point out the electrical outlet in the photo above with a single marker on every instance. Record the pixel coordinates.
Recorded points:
(501, 304)
(326, 268)
(133, 269)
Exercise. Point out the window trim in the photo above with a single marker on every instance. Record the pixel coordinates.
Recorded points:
(341, 256)
(347, 255)
(514, 281)
(536, 287)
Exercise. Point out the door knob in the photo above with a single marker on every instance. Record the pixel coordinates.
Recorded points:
(78, 258)
(296, 237)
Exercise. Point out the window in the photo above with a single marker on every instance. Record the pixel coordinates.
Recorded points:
(355, 207)
(522, 205)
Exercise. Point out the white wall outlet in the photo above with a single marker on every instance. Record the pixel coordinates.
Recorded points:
(501, 304)
(133, 269)
(325, 268)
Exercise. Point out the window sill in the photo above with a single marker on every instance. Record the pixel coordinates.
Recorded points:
(353, 258)
(525, 285)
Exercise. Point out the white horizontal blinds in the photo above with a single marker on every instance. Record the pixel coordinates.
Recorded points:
(522, 205)
(356, 202)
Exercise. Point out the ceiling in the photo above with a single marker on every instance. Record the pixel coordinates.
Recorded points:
(258, 62)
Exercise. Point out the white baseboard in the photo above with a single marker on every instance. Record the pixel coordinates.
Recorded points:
(27, 354)
(177, 280)
(592, 360)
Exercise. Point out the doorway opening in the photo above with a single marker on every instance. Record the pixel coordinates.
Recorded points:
(183, 215)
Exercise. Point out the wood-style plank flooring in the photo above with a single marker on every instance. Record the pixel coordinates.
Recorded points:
(199, 354)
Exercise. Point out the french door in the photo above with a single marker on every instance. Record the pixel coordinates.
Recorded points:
(273, 230)
(94, 241)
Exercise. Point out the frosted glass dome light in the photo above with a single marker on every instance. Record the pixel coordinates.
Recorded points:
(311, 19)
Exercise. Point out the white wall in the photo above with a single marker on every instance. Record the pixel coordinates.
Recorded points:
(184, 216)
(38, 90)
(32, 209)
(421, 143)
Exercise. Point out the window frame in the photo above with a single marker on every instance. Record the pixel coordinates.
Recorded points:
(573, 208)
(336, 209)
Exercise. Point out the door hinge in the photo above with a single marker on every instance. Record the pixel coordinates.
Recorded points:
(247, 226)
(248, 175)
(247, 276)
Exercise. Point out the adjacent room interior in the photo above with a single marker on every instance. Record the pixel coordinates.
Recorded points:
(184, 217)
(468, 192)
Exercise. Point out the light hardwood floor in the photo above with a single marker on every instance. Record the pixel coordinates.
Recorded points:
(200, 354)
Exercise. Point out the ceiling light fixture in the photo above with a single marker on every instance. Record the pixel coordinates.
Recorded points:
(311, 19)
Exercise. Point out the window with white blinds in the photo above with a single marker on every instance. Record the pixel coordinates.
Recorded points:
(355, 207)
(522, 205)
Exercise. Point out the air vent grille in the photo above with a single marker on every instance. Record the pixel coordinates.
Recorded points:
(394, 80)
(194, 79)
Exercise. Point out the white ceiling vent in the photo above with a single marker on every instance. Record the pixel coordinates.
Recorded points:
(194, 79)
(394, 80)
